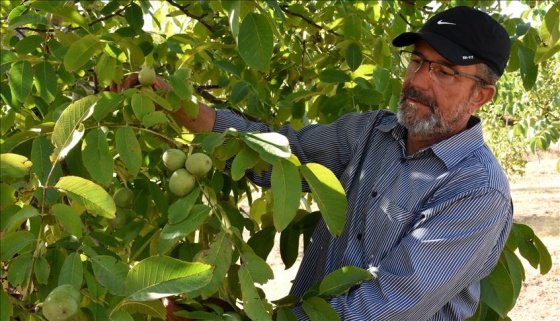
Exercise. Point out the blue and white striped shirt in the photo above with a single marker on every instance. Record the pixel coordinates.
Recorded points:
(429, 226)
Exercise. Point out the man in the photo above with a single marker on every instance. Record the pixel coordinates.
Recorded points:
(429, 206)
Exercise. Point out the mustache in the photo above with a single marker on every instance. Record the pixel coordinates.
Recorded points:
(413, 93)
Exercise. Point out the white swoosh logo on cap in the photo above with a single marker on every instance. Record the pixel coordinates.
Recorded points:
(441, 22)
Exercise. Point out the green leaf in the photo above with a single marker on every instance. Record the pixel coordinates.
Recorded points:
(14, 221)
(97, 157)
(106, 69)
(129, 149)
(171, 233)
(515, 269)
(158, 100)
(528, 68)
(121, 315)
(133, 52)
(354, 56)
(180, 209)
(289, 245)
(45, 81)
(71, 14)
(247, 158)
(21, 79)
(68, 129)
(142, 105)
(134, 16)
(108, 102)
(28, 44)
(524, 236)
(228, 66)
(259, 270)
(496, 290)
(334, 76)
(161, 276)
(180, 81)
(14, 165)
(72, 271)
(270, 146)
(28, 18)
(263, 241)
(69, 218)
(285, 314)
(341, 280)
(13, 243)
(219, 256)
(6, 307)
(110, 273)
(329, 195)
(19, 270)
(92, 196)
(319, 310)
(353, 27)
(152, 308)
(286, 188)
(545, 261)
(42, 270)
(233, 7)
(155, 118)
(255, 41)
(239, 91)
(81, 51)
(255, 307)
(43, 168)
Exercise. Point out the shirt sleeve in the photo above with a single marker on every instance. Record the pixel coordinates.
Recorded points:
(330, 145)
(454, 245)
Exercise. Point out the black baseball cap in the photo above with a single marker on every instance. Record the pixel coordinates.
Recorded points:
(464, 36)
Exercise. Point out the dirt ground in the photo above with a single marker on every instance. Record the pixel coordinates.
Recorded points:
(536, 198)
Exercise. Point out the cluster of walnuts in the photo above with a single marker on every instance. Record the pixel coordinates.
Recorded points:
(186, 169)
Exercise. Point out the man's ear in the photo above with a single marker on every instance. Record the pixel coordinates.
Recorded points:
(481, 96)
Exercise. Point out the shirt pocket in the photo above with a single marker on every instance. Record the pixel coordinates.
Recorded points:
(386, 223)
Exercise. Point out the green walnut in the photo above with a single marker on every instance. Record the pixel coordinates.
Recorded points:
(181, 182)
(123, 197)
(147, 76)
(198, 164)
(63, 303)
(174, 159)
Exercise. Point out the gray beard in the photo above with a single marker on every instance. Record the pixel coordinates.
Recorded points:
(423, 128)
(432, 127)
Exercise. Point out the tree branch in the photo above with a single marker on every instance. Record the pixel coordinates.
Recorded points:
(183, 9)
(309, 21)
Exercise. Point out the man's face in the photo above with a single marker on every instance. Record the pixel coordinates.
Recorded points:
(430, 109)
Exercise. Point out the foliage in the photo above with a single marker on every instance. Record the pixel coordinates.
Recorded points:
(68, 145)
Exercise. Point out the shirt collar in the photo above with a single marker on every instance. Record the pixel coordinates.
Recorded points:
(451, 150)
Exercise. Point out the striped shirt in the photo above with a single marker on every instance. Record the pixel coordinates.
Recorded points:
(429, 226)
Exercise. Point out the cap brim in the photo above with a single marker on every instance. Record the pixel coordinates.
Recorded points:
(451, 51)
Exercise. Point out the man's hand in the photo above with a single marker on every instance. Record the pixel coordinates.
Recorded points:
(206, 115)
(131, 81)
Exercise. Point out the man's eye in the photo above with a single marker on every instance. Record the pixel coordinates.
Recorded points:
(444, 71)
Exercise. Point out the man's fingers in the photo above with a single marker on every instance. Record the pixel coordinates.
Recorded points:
(129, 82)
(159, 84)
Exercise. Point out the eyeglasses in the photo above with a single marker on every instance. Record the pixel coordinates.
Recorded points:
(442, 73)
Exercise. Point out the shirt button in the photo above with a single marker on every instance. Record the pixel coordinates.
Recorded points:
(373, 194)
(359, 236)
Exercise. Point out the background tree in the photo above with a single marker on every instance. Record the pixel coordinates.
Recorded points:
(87, 194)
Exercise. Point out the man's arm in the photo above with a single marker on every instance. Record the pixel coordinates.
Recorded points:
(204, 122)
